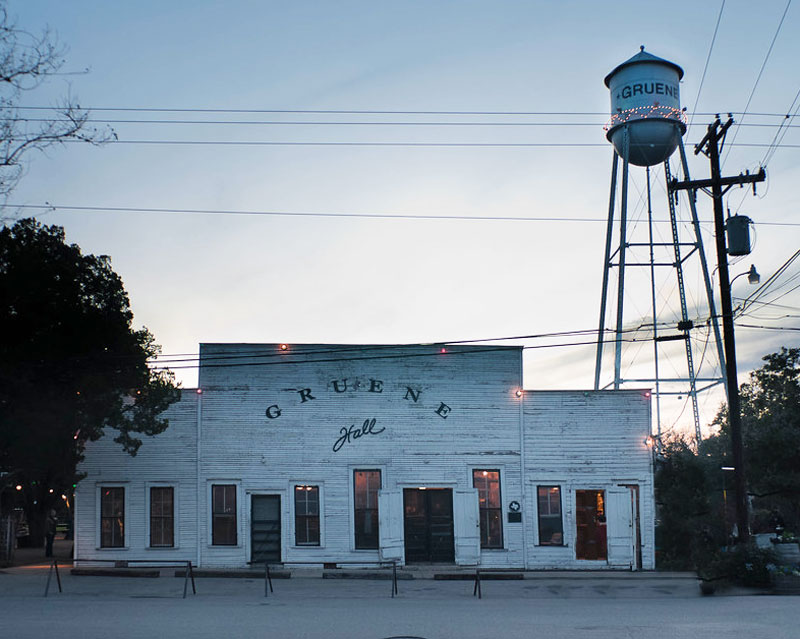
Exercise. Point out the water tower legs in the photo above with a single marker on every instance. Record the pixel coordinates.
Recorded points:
(618, 258)
(606, 262)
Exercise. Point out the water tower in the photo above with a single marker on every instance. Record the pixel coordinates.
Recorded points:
(646, 118)
(645, 129)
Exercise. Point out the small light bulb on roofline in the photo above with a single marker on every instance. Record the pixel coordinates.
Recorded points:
(199, 391)
(284, 347)
(519, 392)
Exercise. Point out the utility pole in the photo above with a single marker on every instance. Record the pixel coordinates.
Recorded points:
(711, 145)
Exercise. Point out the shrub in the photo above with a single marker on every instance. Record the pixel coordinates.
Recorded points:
(741, 565)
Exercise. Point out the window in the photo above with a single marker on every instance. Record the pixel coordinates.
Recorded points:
(366, 484)
(162, 517)
(306, 515)
(223, 515)
(551, 529)
(490, 507)
(112, 517)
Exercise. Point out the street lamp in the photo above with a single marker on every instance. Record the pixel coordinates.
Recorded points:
(752, 275)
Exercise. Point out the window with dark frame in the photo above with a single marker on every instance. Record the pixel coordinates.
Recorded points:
(112, 517)
(551, 526)
(223, 515)
(162, 517)
(489, 507)
(306, 515)
(366, 484)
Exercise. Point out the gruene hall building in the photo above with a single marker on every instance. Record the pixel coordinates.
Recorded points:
(419, 454)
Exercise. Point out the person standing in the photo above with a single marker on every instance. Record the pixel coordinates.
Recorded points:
(49, 533)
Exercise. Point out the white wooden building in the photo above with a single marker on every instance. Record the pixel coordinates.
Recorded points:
(334, 454)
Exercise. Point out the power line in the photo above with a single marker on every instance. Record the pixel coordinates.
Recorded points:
(769, 283)
(780, 134)
(334, 214)
(705, 68)
(771, 328)
(364, 111)
(312, 111)
(357, 123)
(258, 350)
(343, 348)
(782, 295)
(266, 143)
(760, 303)
(772, 318)
(760, 73)
(256, 143)
(327, 122)
(432, 353)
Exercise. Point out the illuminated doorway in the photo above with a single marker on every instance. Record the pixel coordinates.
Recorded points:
(590, 519)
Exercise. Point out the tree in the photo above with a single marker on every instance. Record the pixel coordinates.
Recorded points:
(695, 517)
(684, 496)
(26, 61)
(771, 436)
(71, 365)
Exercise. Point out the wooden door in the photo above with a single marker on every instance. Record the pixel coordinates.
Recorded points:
(428, 525)
(590, 520)
(265, 528)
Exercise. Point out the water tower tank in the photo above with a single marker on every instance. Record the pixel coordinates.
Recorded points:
(645, 100)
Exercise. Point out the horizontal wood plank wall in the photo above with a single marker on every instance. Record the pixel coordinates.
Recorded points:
(587, 440)
(273, 419)
(166, 459)
(437, 416)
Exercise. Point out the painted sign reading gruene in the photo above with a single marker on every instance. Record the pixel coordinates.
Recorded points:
(340, 386)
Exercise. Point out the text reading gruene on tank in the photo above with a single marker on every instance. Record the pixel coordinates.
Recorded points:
(374, 386)
(658, 88)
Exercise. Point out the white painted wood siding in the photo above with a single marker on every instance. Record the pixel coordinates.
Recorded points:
(414, 445)
(166, 459)
(269, 420)
(587, 440)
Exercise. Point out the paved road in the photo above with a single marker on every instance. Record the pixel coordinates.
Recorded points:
(596, 608)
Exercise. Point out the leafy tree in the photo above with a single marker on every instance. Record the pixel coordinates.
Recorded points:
(771, 437)
(695, 519)
(70, 364)
(26, 61)
(684, 496)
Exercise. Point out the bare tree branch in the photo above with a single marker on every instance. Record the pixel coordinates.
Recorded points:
(26, 61)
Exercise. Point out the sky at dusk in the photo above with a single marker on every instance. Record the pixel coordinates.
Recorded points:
(416, 110)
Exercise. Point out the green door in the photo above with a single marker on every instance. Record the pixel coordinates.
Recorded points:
(265, 528)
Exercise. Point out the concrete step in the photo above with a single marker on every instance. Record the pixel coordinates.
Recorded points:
(235, 573)
(364, 574)
(115, 572)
